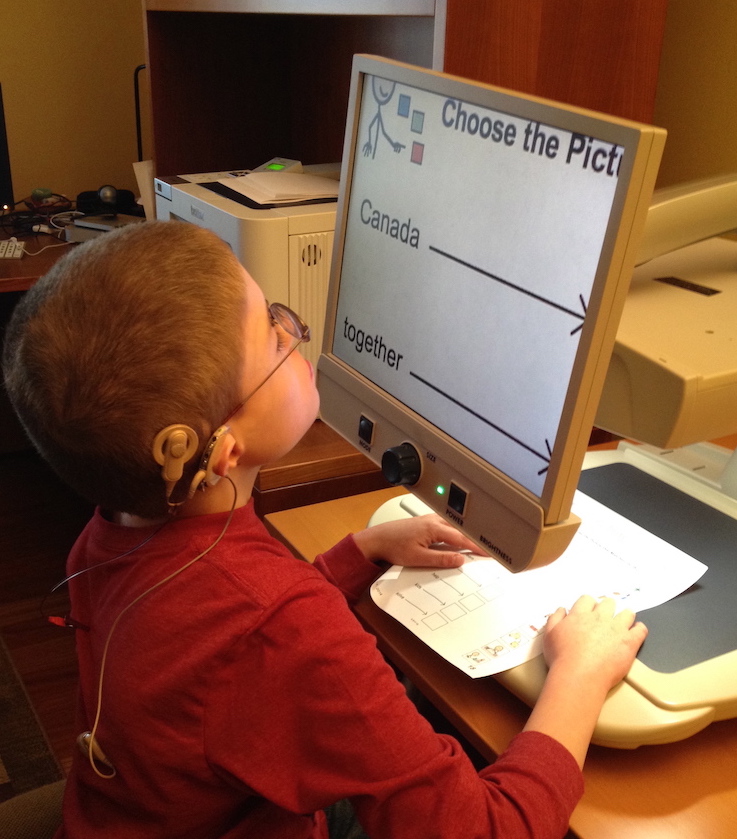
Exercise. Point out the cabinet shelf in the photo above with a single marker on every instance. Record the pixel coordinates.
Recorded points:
(299, 7)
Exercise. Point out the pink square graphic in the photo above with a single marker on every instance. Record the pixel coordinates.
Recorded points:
(418, 149)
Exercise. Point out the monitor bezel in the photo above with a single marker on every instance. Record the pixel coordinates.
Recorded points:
(631, 200)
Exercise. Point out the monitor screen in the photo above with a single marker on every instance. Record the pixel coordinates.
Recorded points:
(484, 243)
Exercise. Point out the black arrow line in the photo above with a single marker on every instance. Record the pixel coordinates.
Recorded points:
(479, 417)
(512, 285)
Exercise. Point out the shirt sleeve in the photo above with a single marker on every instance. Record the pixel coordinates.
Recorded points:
(346, 567)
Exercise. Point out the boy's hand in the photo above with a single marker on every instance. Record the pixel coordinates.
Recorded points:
(421, 541)
(591, 641)
(589, 650)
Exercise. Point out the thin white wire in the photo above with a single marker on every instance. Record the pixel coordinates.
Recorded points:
(41, 250)
(98, 713)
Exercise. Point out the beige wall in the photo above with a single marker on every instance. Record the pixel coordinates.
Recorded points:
(67, 75)
(697, 90)
(66, 70)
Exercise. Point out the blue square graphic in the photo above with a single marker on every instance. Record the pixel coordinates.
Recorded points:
(404, 105)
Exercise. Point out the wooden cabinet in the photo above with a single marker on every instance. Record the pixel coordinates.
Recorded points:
(236, 82)
(592, 53)
(232, 89)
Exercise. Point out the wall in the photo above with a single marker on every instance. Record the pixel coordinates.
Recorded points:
(697, 90)
(67, 76)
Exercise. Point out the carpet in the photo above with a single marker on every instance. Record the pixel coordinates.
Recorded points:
(26, 759)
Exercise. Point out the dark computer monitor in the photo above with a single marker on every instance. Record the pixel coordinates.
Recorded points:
(484, 245)
(6, 184)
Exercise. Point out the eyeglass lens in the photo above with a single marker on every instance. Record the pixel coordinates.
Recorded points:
(290, 321)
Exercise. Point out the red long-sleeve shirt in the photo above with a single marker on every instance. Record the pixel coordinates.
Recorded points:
(242, 697)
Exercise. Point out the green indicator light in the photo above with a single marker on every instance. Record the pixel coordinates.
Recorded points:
(276, 167)
(440, 489)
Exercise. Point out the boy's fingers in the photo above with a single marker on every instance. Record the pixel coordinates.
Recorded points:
(439, 556)
(640, 629)
(449, 559)
(627, 616)
(443, 532)
(585, 603)
(556, 617)
(607, 605)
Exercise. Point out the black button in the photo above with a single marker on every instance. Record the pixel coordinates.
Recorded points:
(366, 430)
(457, 499)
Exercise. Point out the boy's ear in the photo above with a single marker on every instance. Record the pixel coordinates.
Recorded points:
(221, 452)
(225, 456)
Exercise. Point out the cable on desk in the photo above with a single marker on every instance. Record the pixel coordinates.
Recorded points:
(37, 211)
(45, 248)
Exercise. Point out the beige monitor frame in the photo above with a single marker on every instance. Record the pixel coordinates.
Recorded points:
(505, 518)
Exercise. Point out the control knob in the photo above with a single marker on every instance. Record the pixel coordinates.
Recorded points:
(401, 465)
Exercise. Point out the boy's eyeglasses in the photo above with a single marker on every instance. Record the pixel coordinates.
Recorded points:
(291, 323)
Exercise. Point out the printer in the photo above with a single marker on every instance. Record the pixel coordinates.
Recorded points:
(286, 248)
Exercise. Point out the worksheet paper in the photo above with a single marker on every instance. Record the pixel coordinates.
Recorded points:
(281, 187)
(484, 619)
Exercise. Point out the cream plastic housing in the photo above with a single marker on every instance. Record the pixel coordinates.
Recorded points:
(286, 249)
(523, 522)
(672, 378)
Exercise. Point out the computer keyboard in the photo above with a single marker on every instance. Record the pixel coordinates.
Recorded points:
(10, 249)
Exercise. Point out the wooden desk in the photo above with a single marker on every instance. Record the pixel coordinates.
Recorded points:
(21, 274)
(322, 466)
(685, 790)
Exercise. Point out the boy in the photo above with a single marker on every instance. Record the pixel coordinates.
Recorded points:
(226, 690)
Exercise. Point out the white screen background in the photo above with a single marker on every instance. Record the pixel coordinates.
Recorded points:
(486, 311)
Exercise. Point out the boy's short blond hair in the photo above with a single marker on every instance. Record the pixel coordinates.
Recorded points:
(129, 333)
